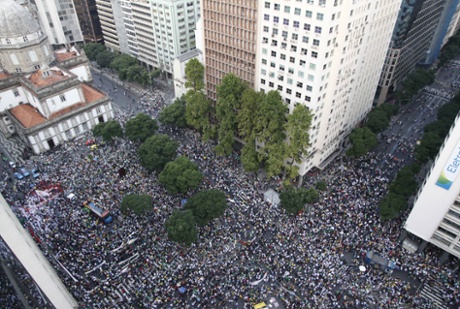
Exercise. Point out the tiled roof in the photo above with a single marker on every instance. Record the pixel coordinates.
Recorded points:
(4, 75)
(65, 56)
(27, 115)
(91, 94)
(40, 80)
(67, 109)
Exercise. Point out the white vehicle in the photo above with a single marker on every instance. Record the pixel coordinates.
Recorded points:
(12, 164)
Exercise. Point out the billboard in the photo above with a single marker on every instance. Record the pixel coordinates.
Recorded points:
(450, 169)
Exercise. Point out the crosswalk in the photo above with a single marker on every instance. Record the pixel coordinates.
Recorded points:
(432, 291)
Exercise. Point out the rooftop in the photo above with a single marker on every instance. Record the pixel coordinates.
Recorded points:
(91, 94)
(66, 54)
(52, 76)
(4, 75)
(27, 115)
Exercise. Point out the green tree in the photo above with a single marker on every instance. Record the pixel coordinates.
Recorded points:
(391, 206)
(321, 185)
(92, 50)
(180, 175)
(138, 203)
(197, 112)
(99, 128)
(377, 120)
(225, 111)
(156, 151)
(174, 114)
(207, 205)
(140, 128)
(249, 157)
(297, 126)
(309, 195)
(231, 85)
(429, 147)
(181, 227)
(111, 130)
(247, 119)
(104, 58)
(405, 183)
(121, 63)
(194, 72)
(362, 140)
(292, 200)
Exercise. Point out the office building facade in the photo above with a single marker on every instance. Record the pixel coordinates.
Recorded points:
(90, 24)
(435, 216)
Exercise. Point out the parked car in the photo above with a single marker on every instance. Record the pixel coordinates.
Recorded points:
(90, 142)
(35, 172)
(12, 164)
(24, 172)
(18, 175)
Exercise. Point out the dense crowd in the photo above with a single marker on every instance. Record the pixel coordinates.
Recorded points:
(255, 252)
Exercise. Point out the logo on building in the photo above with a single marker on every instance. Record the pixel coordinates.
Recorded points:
(450, 170)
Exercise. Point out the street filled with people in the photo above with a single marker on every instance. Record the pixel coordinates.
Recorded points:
(255, 252)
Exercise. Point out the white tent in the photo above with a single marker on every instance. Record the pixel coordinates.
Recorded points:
(272, 197)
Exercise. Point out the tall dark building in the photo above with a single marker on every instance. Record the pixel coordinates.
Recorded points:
(89, 20)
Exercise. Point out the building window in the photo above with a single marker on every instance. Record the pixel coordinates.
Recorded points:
(8, 41)
(283, 56)
(274, 43)
(314, 54)
(312, 66)
(262, 81)
(264, 51)
(277, 7)
(302, 63)
(85, 126)
(295, 36)
(291, 59)
(293, 48)
(280, 77)
(318, 29)
(266, 29)
(307, 98)
(266, 17)
(25, 39)
(267, 5)
(289, 80)
(16, 92)
(271, 84)
(298, 95)
(275, 31)
(299, 85)
(307, 27)
(286, 22)
(316, 42)
(308, 13)
(77, 130)
(305, 39)
(263, 72)
(311, 77)
(264, 61)
(282, 67)
(68, 134)
(62, 97)
(280, 88)
(303, 51)
(309, 88)
(287, 9)
(319, 16)
(276, 19)
(98, 110)
(297, 11)
(291, 71)
(273, 65)
(288, 91)
(273, 53)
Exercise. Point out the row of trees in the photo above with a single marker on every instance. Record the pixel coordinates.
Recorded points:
(450, 50)
(365, 139)
(435, 132)
(405, 184)
(413, 83)
(126, 66)
(272, 136)
(293, 200)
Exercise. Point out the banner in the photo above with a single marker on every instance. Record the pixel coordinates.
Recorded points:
(450, 170)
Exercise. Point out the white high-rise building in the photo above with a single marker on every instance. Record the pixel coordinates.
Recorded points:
(154, 31)
(59, 21)
(435, 217)
(327, 55)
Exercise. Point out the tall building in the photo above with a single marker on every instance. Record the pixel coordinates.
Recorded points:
(435, 216)
(43, 97)
(90, 24)
(59, 21)
(229, 39)
(326, 55)
(154, 31)
(417, 39)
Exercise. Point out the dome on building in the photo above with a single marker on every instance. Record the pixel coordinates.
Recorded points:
(15, 20)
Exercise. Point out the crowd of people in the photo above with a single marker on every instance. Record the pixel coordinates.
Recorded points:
(255, 252)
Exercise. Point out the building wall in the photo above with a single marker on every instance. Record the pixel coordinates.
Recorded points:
(63, 99)
(143, 23)
(11, 97)
(179, 71)
(327, 55)
(60, 21)
(435, 216)
(89, 20)
(109, 29)
(411, 40)
(230, 34)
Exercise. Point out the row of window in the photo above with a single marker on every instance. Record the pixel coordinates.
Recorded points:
(297, 11)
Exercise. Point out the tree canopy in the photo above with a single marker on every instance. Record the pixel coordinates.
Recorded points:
(174, 114)
(181, 227)
(156, 151)
(207, 205)
(140, 128)
(104, 58)
(391, 205)
(93, 49)
(108, 130)
(362, 140)
(180, 175)
(138, 203)
(197, 111)
(294, 200)
(194, 72)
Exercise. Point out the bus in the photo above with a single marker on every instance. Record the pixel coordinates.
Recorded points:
(99, 212)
